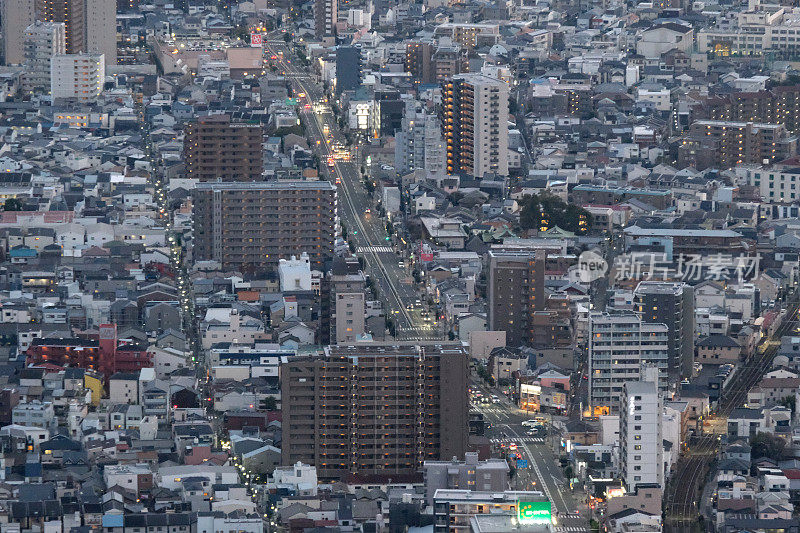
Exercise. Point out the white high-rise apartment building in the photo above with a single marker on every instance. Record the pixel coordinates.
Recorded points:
(619, 344)
(476, 125)
(78, 76)
(43, 40)
(16, 16)
(420, 144)
(640, 434)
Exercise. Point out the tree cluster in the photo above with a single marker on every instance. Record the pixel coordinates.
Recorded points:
(546, 210)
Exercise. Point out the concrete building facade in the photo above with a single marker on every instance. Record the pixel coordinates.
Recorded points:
(43, 40)
(221, 147)
(17, 15)
(77, 76)
(641, 445)
(516, 293)
(475, 125)
(671, 304)
(326, 14)
(377, 410)
(252, 226)
(619, 343)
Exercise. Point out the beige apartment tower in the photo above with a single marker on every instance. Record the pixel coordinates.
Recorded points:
(101, 29)
(475, 125)
(375, 411)
(17, 16)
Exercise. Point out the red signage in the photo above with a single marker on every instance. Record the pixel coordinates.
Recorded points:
(256, 39)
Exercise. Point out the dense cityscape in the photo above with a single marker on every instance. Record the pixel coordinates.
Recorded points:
(412, 266)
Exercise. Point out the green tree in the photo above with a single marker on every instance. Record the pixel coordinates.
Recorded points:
(484, 374)
(456, 197)
(269, 403)
(789, 402)
(12, 204)
(766, 445)
(548, 211)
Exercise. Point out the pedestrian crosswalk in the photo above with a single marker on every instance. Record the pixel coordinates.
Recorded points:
(571, 529)
(570, 515)
(533, 440)
(376, 249)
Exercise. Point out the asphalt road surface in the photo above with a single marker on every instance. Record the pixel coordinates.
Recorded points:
(368, 231)
(544, 472)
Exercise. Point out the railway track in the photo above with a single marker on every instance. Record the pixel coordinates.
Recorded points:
(684, 492)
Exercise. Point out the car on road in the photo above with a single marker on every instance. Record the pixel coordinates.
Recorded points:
(512, 446)
(530, 423)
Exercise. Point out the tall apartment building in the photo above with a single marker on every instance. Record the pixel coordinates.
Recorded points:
(619, 344)
(344, 277)
(77, 76)
(250, 226)
(375, 410)
(221, 147)
(72, 13)
(475, 125)
(671, 304)
(16, 15)
(725, 144)
(516, 293)
(346, 288)
(779, 105)
(419, 144)
(326, 14)
(641, 446)
(449, 60)
(90, 26)
(419, 61)
(348, 68)
(43, 40)
(101, 29)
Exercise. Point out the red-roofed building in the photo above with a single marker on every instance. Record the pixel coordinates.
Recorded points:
(102, 353)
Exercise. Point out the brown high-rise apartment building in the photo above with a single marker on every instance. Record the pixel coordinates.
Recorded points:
(73, 14)
(448, 61)
(326, 14)
(250, 226)
(218, 147)
(725, 144)
(475, 125)
(516, 293)
(780, 105)
(419, 62)
(376, 410)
